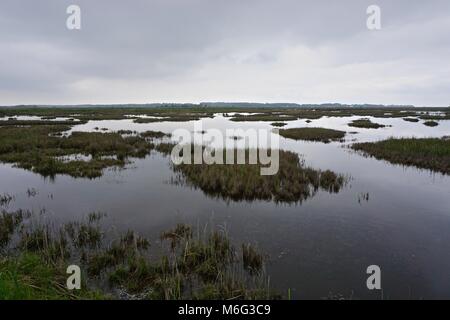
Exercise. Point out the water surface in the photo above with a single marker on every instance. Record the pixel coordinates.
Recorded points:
(320, 247)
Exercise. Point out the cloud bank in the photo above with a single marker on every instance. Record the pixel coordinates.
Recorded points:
(210, 50)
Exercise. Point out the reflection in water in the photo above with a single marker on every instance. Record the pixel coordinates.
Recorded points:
(318, 248)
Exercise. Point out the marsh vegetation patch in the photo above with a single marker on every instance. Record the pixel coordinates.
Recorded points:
(313, 134)
(43, 150)
(278, 124)
(264, 117)
(366, 123)
(426, 153)
(293, 183)
(192, 265)
(431, 123)
(173, 118)
(155, 134)
(411, 119)
(238, 112)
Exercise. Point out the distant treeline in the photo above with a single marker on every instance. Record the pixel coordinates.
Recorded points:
(222, 105)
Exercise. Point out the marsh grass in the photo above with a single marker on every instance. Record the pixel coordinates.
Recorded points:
(365, 123)
(278, 124)
(411, 119)
(431, 123)
(180, 232)
(9, 223)
(426, 153)
(195, 265)
(311, 113)
(444, 116)
(253, 260)
(28, 277)
(184, 112)
(263, 117)
(294, 182)
(109, 112)
(313, 134)
(37, 148)
(173, 118)
(154, 134)
(26, 123)
(126, 132)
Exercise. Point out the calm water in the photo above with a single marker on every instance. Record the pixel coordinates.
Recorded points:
(320, 247)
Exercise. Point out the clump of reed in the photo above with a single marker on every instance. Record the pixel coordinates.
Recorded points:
(253, 260)
(9, 224)
(185, 112)
(154, 134)
(176, 235)
(313, 134)
(411, 119)
(170, 117)
(278, 124)
(25, 123)
(263, 117)
(431, 123)
(294, 182)
(122, 250)
(37, 148)
(426, 153)
(365, 123)
(126, 132)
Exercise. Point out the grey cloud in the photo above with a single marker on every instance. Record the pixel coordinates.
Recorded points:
(194, 49)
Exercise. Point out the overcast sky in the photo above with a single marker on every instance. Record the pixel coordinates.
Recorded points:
(225, 50)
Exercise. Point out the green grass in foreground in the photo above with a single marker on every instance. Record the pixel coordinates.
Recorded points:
(428, 153)
(29, 277)
(365, 123)
(192, 265)
(313, 134)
